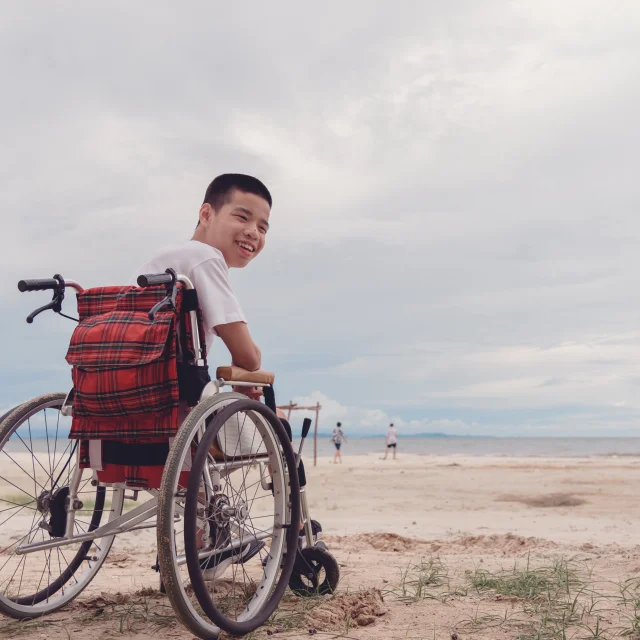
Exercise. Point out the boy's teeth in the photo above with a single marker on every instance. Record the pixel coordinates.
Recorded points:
(248, 247)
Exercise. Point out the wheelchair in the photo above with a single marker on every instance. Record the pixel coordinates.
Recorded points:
(146, 440)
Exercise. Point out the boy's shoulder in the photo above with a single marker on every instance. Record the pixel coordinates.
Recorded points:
(187, 256)
(184, 258)
(195, 252)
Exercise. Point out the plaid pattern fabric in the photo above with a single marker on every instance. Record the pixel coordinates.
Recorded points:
(124, 365)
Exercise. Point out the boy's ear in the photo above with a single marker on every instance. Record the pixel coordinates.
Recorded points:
(206, 213)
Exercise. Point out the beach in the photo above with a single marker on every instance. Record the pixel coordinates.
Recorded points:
(430, 547)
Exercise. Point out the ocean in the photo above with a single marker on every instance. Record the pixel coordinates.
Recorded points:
(437, 446)
(528, 447)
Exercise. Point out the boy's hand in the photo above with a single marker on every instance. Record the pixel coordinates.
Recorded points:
(255, 393)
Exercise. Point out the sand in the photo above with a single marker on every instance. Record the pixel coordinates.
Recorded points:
(411, 536)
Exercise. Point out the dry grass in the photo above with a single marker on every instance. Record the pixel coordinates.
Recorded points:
(145, 610)
(541, 598)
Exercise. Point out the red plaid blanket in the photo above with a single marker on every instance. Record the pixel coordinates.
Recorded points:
(124, 366)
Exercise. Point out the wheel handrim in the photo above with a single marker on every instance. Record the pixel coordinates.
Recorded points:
(277, 516)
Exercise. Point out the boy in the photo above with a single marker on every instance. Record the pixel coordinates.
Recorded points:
(232, 226)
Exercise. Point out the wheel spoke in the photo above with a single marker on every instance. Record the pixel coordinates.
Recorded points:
(68, 565)
(49, 574)
(71, 443)
(46, 430)
(55, 442)
(16, 571)
(43, 580)
(33, 497)
(59, 567)
(12, 515)
(34, 530)
(43, 569)
(23, 560)
(17, 504)
(34, 457)
(23, 470)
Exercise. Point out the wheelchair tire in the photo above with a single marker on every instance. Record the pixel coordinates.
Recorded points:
(197, 607)
(321, 577)
(31, 472)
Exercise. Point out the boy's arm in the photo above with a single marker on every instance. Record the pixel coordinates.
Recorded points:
(244, 351)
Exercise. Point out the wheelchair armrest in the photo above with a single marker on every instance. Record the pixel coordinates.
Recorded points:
(238, 374)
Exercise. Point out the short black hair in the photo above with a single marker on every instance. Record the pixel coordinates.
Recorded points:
(218, 191)
(338, 424)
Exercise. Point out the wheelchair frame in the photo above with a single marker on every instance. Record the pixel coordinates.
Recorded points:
(133, 520)
(140, 516)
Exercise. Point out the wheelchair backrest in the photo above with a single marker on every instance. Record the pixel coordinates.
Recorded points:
(130, 373)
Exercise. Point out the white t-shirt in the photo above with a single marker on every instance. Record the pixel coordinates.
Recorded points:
(392, 436)
(205, 267)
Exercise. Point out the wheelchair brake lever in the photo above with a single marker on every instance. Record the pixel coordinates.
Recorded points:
(159, 305)
(306, 425)
(170, 298)
(51, 305)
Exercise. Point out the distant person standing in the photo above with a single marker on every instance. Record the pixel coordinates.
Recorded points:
(391, 441)
(337, 438)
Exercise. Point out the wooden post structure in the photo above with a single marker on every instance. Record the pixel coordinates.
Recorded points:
(315, 436)
(288, 407)
(292, 406)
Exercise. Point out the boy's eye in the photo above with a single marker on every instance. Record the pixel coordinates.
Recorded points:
(242, 216)
(263, 230)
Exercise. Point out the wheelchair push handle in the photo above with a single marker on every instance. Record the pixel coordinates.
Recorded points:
(155, 279)
(58, 285)
(170, 281)
(43, 284)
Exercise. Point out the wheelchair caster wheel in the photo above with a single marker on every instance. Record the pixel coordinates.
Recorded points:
(321, 545)
(315, 572)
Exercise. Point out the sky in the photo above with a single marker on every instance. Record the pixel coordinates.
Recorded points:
(454, 235)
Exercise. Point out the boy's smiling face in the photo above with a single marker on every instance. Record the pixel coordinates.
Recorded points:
(237, 229)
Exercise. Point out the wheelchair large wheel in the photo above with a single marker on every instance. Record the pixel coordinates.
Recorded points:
(37, 462)
(231, 564)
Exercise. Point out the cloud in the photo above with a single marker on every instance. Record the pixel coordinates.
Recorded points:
(455, 231)
(361, 421)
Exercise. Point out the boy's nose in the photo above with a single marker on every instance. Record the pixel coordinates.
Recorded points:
(252, 232)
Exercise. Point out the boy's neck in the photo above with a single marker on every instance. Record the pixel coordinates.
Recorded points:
(198, 238)
(198, 235)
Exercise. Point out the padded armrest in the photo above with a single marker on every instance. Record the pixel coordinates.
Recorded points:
(238, 374)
